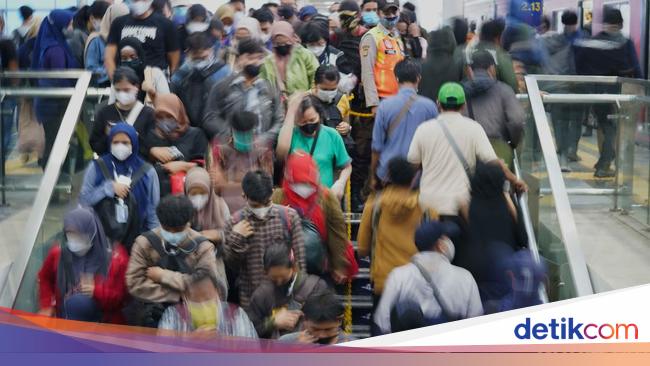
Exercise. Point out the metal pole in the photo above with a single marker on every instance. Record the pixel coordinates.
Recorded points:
(2, 152)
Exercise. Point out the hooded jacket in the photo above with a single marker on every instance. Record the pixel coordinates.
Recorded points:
(440, 66)
(495, 107)
(399, 216)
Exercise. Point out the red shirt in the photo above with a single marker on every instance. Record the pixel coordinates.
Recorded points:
(110, 292)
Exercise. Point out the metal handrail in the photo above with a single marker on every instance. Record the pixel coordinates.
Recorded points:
(46, 188)
(58, 74)
(566, 220)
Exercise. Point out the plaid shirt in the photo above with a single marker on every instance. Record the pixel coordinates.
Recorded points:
(247, 254)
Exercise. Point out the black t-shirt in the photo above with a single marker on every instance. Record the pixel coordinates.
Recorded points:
(7, 53)
(157, 34)
(108, 115)
(193, 144)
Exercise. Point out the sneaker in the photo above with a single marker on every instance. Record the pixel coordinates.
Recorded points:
(604, 173)
(573, 157)
(564, 164)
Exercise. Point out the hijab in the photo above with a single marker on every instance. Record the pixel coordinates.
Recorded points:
(253, 27)
(71, 267)
(172, 105)
(282, 28)
(301, 169)
(137, 46)
(210, 217)
(51, 35)
(127, 167)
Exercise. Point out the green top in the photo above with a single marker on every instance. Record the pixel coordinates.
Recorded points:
(505, 70)
(300, 70)
(330, 151)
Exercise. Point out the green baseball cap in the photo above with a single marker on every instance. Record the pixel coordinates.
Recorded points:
(451, 94)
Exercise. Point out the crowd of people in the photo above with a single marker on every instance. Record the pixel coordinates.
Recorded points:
(234, 139)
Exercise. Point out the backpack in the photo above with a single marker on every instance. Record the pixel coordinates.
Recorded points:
(107, 210)
(146, 313)
(195, 89)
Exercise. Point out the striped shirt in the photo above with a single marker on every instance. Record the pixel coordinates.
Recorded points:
(247, 254)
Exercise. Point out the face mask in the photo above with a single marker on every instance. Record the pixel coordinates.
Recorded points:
(261, 212)
(310, 128)
(199, 201)
(242, 140)
(97, 24)
(317, 50)
(266, 37)
(196, 27)
(390, 23)
(227, 29)
(121, 152)
(448, 249)
(137, 8)
(303, 190)
(79, 245)
(370, 18)
(174, 239)
(167, 126)
(203, 64)
(252, 71)
(67, 33)
(136, 65)
(203, 314)
(125, 98)
(327, 340)
(326, 96)
(283, 50)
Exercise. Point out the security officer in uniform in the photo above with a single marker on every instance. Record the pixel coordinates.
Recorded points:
(381, 49)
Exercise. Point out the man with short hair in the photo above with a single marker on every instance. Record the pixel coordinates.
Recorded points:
(276, 305)
(490, 40)
(442, 291)
(494, 106)
(164, 261)
(200, 72)
(397, 119)
(448, 149)
(266, 19)
(244, 90)
(157, 34)
(254, 228)
(323, 316)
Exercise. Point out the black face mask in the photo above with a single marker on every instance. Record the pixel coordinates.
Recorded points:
(136, 65)
(327, 340)
(310, 128)
(282, 50)
(252, 71)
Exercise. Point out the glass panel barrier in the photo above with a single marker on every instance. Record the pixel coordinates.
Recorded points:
(599, 133)
(40, 160)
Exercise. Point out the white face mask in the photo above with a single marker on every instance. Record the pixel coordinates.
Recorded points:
(317, 50)
(227, 28)
(199, 201)
(97, 24)
(137, 8)
(303, 190)
(121, 152)
(125, 98)
(448, 249)
(266, 37)
(78, 244)
(203, 64)
(261, 212)
(326, 96)
(196, 27)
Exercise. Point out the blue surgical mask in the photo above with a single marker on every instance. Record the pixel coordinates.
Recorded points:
(370, 18)
(174, 239)
(390, 23)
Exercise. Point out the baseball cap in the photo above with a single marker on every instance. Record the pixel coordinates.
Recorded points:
(306, 11)
(451, 94)
(390, 4)
(429, 232)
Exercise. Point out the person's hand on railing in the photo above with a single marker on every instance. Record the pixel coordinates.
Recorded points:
(520, 186)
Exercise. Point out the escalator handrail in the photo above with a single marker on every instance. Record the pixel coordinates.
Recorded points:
(46, 188)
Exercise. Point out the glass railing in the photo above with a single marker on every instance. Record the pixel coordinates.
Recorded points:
(587, 157)
(40, 161)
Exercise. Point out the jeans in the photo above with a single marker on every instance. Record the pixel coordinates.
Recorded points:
(608, 128)
(567, 126)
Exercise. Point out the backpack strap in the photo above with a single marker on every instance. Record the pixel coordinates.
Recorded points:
(395, 122)
(104, 169)
(456, 149)
(135, 113)
(156, 242)
(436, 292)
(308, 286)
(376, 214)
(140, 173)
(286, 222)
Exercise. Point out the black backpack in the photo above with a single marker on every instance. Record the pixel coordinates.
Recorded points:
(124, 233)
(195, 89)
(145, 313)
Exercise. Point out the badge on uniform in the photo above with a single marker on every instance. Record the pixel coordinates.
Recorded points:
(388, 44)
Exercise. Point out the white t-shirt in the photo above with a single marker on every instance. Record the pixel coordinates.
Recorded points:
(445, 186)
